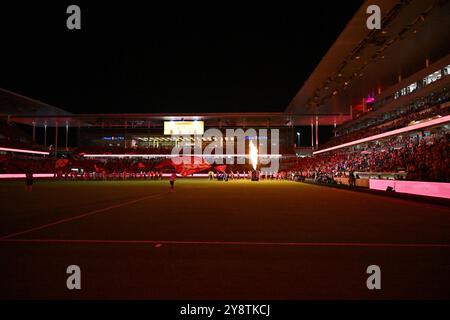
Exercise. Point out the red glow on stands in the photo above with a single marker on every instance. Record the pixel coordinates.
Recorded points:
(24, 151)
(124, 155)
(418, 126)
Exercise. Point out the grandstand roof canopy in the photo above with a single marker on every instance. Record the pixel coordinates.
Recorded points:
(16, 104)
(20, 109)
(150, 120)
(361, 61)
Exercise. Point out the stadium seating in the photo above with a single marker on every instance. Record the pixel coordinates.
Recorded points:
(421, 158)
(420, 109)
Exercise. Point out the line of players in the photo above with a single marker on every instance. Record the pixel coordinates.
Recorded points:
(225, 176)
(158, 175)
(75, 175)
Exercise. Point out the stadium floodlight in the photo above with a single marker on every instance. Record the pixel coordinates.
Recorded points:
(24, 151)
(421, 125)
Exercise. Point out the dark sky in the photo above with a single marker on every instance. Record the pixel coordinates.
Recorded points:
(214, 57)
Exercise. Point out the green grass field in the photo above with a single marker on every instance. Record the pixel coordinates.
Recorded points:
(210, 239)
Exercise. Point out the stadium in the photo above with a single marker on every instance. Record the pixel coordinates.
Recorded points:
(362, 178)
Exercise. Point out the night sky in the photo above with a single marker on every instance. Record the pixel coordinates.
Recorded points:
(215, 57)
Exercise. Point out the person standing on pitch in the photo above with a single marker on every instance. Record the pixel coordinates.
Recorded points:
(173, 177)
(29, 180)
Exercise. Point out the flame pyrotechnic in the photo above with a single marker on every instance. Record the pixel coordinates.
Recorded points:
(253, 155)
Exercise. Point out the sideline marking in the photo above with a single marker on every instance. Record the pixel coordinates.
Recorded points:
(236, 243)
(83, 215)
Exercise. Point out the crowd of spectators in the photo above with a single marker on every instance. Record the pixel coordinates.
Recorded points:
(417, 156)
(122, 150)
(61, 167)
(12, 136)
(22, 164)
(421, 109)
(422, 158)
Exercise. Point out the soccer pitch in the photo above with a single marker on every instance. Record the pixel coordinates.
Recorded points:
(218, 240)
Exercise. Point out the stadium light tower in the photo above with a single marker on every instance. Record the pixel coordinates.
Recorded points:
(298, 139)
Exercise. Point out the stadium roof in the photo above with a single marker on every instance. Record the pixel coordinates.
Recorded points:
(361, 61)
(20, 109)
(24, 110)
(153, 120)
(16, 104)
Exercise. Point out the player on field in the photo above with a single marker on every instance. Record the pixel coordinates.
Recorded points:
(29, 180)
(173, 177)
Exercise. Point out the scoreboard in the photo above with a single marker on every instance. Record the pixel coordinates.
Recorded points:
(183, 127)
